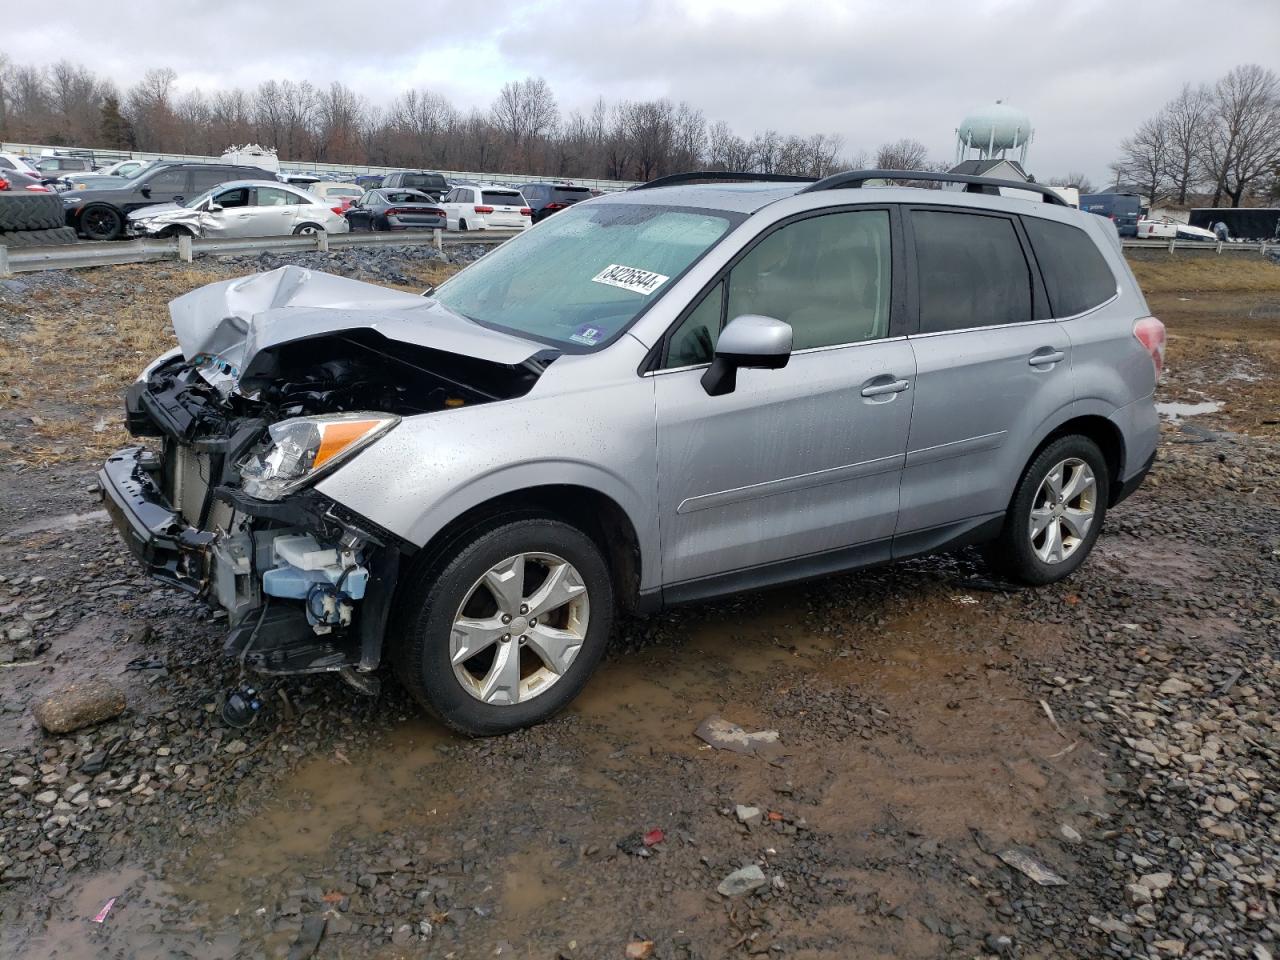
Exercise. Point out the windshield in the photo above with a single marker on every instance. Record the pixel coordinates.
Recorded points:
(581, 278)
(196, 201)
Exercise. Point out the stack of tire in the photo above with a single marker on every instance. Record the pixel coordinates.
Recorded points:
(33, 220)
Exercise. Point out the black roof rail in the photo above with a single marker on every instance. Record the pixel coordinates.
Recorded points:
(720, 176)
(989, 185)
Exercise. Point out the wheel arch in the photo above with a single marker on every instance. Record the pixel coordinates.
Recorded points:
(1096, 427)
(590, 510)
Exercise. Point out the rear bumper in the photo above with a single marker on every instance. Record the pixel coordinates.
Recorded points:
(170, 549)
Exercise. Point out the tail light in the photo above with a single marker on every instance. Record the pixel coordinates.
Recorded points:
(338, 210)
(483, 209)
(556, 206)
(432, 212)
(1150, 333)
(526, 212)
(4, 184)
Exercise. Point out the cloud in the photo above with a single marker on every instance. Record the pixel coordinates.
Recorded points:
(1086, 71)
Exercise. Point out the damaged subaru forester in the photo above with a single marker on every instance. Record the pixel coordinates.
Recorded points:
(673, 393)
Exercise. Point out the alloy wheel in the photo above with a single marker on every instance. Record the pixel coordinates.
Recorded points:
(519, 628)
(1063, 510)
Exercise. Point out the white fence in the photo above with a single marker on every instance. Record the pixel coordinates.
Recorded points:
(302, 166)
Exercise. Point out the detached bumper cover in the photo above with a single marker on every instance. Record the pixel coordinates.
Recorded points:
(170, 549)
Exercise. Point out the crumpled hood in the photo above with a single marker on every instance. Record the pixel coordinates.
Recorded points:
(223, 327)
(162, 209)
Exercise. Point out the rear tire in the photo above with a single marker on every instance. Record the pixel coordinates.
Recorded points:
(462, 225)
(447, 608)
(1056, 514)
(307, 229)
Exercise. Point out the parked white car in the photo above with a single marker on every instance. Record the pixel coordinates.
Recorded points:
(1166, 228)
(241, 208)
(486, 207)
(12, 161)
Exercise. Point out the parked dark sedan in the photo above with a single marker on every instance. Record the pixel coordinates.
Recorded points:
(395, 210)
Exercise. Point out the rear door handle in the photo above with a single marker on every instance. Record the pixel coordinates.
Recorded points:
(880, 389)
(1044, 359)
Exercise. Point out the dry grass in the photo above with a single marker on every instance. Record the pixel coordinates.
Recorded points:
(84, 345)
(1207, 273)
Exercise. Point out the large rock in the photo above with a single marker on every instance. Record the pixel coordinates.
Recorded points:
(80, 704)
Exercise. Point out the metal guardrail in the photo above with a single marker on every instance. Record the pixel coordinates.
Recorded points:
(1201, 246)
(74, 256)
(304, 166)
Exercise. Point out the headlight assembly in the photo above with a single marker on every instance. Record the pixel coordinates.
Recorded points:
(304, 448)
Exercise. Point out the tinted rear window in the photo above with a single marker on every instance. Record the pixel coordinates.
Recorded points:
(972, 271)
(572, 194)
(1076, 275)
(419, 180)
(502, 198)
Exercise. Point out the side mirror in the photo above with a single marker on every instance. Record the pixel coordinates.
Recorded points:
(145, 191)
(752, 341)
(214, 207)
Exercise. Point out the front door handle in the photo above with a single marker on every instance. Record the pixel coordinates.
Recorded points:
(1045, 359)
(880, 389)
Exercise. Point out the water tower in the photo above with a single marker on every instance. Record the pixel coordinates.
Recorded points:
(996, 132)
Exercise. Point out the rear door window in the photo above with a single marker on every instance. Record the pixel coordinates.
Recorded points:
(972, 271)
(1076, 275)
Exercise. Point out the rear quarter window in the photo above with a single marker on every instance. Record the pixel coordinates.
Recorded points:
(1076, 275)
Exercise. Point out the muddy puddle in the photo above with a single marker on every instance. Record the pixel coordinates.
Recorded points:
(902, 724)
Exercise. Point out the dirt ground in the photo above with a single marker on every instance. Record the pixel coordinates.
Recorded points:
(930, 721)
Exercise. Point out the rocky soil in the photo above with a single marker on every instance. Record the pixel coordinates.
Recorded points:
(943, 739)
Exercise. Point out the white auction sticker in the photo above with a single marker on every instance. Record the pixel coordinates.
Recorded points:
(630, 278)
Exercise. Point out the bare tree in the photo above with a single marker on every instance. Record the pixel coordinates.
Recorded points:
(1187, 116)
(904, 154)
(524, 111)
(1242, 143)
(1144, 158)
(1074, 178)
(149, 108)
(522, 132)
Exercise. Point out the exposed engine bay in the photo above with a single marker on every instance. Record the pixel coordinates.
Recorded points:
(220, 501)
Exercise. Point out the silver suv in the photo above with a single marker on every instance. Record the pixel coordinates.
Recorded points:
(672, 393)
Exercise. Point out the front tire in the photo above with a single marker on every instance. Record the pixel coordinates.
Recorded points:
(1056, 514)
(102, 223)
(504, 631)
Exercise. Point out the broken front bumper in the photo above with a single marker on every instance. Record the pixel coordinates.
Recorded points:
(285, 613)
(170, 549)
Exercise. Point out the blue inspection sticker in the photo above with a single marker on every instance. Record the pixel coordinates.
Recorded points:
(587, 334)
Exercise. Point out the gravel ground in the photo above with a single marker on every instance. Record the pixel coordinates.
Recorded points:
(1119, 731)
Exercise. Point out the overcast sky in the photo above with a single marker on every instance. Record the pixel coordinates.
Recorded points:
(1086, 71)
